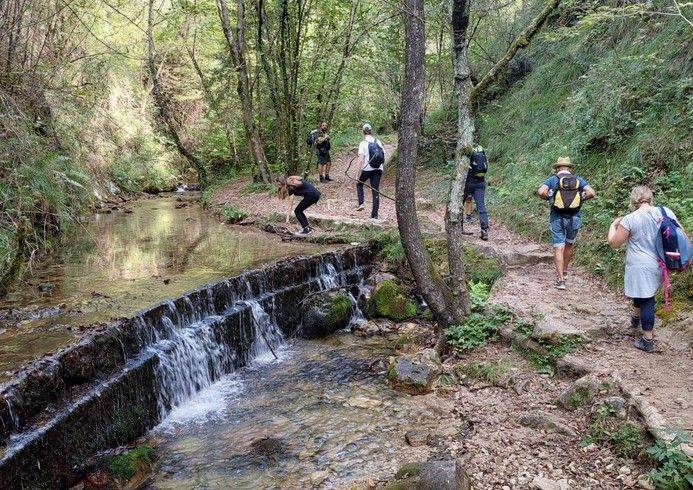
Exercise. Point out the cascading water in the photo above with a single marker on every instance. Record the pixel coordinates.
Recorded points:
(268, 337)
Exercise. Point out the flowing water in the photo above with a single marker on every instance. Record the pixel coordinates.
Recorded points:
(113, 265)
(321, 414)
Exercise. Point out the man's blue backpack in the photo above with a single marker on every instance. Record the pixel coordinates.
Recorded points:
(673, 246)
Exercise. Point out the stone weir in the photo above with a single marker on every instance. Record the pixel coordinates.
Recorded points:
(118, 382)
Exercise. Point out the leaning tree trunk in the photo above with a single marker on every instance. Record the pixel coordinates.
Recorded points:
(161, 101)
(236, 45)
(430, 283)
(465, 134)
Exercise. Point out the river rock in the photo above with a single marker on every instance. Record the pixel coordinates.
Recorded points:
(541, 483)
(542, 420)
(327, 312)
(390, 300)
(432, 475)
(414, 373)
(416, 437)
(580, 392)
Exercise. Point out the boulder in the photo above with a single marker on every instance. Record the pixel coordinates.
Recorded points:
(432, 475)
(414, 374)
(551, 330)
(542, 420)
(327, 312)
(390, 300)
(580, 392)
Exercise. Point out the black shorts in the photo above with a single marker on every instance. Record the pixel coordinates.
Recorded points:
(323, 158)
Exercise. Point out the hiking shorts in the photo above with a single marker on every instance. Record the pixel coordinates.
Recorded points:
(564, 228)
(323, 158)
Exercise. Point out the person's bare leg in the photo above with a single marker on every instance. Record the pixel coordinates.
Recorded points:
(321, 171)
(558, 261)
(567, 256)
(468, 207)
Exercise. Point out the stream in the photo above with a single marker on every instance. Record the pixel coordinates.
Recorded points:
(321, 414)
(112, 265)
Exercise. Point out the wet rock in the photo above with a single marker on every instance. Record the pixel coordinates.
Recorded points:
(414, 374)
(580, 392)
(541, 483)
(389, 300)
(325, 313)
(542, 420)
(416, 437)
(366, 329)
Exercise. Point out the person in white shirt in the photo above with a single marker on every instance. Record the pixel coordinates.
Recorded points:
(371, 161)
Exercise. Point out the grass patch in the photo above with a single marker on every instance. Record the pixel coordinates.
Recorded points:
(624, 438)
(125, 466)
(485, 371)
(554, 350)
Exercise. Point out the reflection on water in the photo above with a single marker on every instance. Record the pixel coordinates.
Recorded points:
(116, 264)
(320, 415)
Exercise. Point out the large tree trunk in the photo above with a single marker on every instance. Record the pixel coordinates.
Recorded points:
(431, 285)
(237, 48)
(161, 101)
(465, 133)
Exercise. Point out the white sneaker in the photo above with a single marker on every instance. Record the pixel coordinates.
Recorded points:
(375, 220)
(361, 207)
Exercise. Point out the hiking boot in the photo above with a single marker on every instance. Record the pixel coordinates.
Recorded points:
(484, 235)
(361, 207)
(645, 345)
(305, 231)
(327, 178)
(560, 285)
(469, 219)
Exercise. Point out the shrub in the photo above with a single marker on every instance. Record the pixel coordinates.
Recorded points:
(478, 293)
(477, 330)
(232, 215)
(675, 469)
(624, 438)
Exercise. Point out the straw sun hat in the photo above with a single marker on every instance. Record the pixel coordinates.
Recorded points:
(563, 162)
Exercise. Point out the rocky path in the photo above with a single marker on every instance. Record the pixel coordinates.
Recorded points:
(587, 308)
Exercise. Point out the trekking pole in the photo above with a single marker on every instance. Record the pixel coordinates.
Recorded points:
(346, 173)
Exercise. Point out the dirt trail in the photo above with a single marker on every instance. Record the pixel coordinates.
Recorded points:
(587, 307)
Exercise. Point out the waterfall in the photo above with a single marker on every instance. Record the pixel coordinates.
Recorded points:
(266, 331)
(329, 279)
(190, 359)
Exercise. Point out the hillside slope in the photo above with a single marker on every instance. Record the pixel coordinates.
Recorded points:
(613, 93)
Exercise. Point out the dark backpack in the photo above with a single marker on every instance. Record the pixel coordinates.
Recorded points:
(567, 199)
(310, 140)
(376, 155)
(478, 164)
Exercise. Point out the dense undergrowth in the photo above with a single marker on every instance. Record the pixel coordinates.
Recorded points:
(613, 92)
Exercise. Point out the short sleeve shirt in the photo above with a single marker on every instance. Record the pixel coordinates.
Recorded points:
(363, 150)
(642, 276)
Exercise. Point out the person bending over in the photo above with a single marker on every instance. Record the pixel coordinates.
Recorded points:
(639, 230)
(567, 192)
(372, 162)
(295, 186)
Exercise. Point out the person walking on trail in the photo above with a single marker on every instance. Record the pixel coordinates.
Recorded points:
(567, 192)
(371, 161)
(640, 231)
(475, 188)
(295, 186)
(321, 140)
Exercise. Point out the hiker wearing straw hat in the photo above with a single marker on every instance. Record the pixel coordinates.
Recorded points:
(566, 192)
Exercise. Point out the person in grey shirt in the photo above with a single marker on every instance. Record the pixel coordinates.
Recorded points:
(639, 230)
